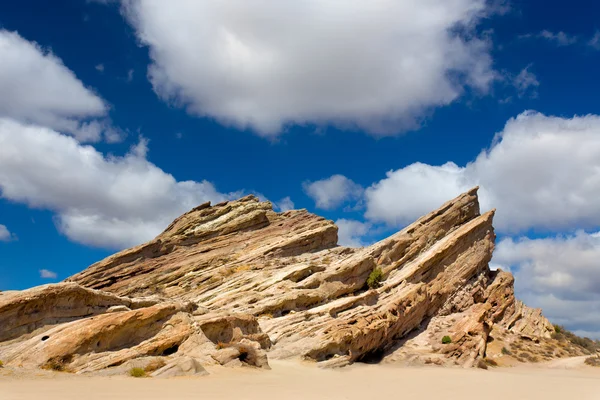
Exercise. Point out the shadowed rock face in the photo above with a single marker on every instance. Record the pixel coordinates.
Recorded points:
(235, 283)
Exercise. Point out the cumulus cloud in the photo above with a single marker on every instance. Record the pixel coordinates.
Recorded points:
(38, 88)
(47, 274)
(377, 66)
(559, 274)
(332, 192)
(351, 232)
(284, 204)
(5, 234)
(104, 201)
(541, 172)
(407, 193)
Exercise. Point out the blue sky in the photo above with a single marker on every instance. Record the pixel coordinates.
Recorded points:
(116, 117)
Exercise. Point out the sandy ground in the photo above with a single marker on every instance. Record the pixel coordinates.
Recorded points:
(289, 380)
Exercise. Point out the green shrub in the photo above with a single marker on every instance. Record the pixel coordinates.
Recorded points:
(137, 372)
(506, 351)
(558, 329)
(446, 340)
(375, 278)
(1, 364)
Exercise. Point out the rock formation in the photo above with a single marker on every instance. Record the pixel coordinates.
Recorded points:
(237, 283)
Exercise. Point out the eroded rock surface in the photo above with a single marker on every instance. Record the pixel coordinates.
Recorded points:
(237, 283)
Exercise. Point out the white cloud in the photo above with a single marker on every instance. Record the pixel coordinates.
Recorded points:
(540, 172)
(130, 75)
(351, 232)
(284, 204)
(100, 200)
(407, 193)
(379, 66)
(526, 83)
(332, 192)
(595, 41)
(560, 38)
(99, 67)
(38, 88)
(47, 274)
(6, 235)
(559, 274)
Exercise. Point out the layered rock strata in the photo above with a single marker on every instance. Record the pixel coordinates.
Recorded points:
(236, 283)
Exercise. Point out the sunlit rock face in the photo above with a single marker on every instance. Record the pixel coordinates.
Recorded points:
(236, 283)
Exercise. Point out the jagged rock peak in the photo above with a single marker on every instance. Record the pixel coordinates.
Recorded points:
(236, 283)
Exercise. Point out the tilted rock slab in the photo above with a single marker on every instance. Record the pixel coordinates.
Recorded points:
(234, 283)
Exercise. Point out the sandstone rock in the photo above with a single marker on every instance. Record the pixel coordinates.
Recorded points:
(118, 309)
(103, 341)
(182, 366)
(235, 283)
(28, 311)
(148, 364)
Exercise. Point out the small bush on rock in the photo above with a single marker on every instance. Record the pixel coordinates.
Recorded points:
(593, 361)
(1, 364)
(446, 340)
(137, 372)
(558, 329)
(154, 365)
(375, 278)
(54, 364)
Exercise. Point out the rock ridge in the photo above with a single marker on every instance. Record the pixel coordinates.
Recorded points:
(236, 283)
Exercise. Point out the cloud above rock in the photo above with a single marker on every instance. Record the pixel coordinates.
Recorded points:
(376, 66)
(47, 274)
(540, 172)
(559, 274)
(332, 192)
(99, 200)
(351, 232)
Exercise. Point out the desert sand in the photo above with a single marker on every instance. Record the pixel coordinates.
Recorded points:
(289, 380)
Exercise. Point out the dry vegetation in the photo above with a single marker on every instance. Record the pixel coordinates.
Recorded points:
(593, 361)
(524, 349)
(57, 364)
(137, 372)
(563, 335)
